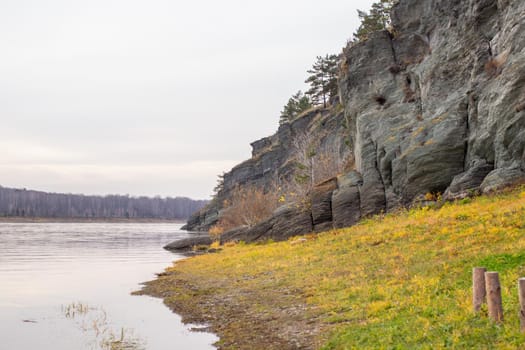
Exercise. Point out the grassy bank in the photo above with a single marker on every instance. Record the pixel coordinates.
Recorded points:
(402, 281)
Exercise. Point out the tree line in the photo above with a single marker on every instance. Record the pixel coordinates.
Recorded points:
(29, 203)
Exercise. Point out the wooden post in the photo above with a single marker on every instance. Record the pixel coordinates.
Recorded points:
(494, 303)
(478, 288)
(521, 294)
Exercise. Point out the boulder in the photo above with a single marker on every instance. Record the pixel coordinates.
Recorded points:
(346, 210)
(321, 203)
(468, 182)
(290, 220)
(188, 243)
(501, 178)
(247, 234)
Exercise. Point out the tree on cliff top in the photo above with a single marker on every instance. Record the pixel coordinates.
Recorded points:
(377, 19)
(323, 79)
(297, 104)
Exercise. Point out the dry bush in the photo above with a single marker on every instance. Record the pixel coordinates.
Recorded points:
(324, 166)
(295, 191)
(329, 164)
(216, 231)
(494, 65)
(247, 206)
(314, 164)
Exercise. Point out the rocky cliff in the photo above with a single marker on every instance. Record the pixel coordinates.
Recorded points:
(437, 105)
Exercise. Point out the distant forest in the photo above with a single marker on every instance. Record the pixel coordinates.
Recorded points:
(28, 203)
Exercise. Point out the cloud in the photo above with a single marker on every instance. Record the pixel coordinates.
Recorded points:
(153, 97)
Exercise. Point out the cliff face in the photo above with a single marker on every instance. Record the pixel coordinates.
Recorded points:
(437, 106)
(274, 159)
(450, 83)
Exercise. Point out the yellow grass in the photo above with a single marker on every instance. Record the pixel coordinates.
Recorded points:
(402, 281)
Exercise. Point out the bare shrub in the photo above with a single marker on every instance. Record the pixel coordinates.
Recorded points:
(494, 65)
(247, 206)
(329, 164)
(295, 191)
(216, 231)
(314, 163)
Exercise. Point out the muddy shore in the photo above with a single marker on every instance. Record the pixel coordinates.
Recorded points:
(245, 315)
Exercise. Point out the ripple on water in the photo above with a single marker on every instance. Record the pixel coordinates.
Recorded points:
(45, 266)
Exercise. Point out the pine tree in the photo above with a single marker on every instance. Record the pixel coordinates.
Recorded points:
(323, 79)
(297, 104)
(219, 187)
(378, 19)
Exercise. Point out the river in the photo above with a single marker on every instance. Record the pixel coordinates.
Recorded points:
(66, 286)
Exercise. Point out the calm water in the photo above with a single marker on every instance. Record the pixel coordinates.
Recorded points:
(67, 286)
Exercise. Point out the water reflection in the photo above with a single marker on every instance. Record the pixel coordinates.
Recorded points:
(46, 266)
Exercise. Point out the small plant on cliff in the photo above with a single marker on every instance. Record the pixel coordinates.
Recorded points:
(323, 79)
(297, 104)
(494, 65)
(220, 184)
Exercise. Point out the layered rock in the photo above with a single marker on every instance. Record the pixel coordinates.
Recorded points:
(274, 159)
(436, 105)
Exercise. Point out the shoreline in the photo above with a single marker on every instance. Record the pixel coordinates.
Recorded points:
(242, 317)
(395, 279)
(87, 220)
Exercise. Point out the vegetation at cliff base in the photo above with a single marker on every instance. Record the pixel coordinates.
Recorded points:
(399, 281)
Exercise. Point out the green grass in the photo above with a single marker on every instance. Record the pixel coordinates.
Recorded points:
(401, 281)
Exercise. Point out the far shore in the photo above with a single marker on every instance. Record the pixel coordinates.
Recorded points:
(16, 219)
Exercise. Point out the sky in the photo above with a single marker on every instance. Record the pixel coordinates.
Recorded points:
(152, 97)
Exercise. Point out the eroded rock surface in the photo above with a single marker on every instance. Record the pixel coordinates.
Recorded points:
(437, 106)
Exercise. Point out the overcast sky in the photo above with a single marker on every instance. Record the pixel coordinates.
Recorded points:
(151, 97)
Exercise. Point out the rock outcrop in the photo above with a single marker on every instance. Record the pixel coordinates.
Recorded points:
(186, 244)
(274, 159)
(436, 105)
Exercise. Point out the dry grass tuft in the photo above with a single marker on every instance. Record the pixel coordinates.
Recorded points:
(494, 65)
